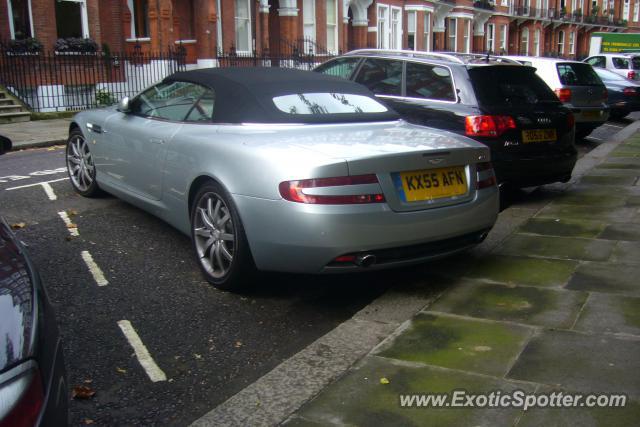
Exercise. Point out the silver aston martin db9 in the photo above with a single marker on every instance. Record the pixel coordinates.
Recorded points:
(286, 170)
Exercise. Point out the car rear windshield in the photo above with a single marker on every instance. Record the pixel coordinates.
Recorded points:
(635, 62)
(577, 74)
(509, 85)
(327, 103)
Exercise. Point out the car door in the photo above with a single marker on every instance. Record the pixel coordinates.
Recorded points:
(139, 138)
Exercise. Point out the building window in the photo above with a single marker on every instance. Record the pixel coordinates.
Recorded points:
(572, 49)
(536, 42)
(524, 42)
(625, 11)
(411, 30)
(243, 26)
(309, 20)
(504, 30)
(20, 22)
(332, 26)
(466, 39)
(427, 32)
(139, 10)
(560, 42)
(491, 38)
(396, 28)
(383, 26)
(574, 5)
(505, 2)
(605, 7)
(451, 40)
(72, 19)
(636, 11)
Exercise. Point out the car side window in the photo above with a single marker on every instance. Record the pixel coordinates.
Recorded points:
(381, 76)
(429, 81)
(597, 61)
(620, 63)
(341, 67)
(169, 101)
(202, 110)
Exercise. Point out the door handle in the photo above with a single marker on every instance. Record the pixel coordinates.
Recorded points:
(156, 140)
(94, 128)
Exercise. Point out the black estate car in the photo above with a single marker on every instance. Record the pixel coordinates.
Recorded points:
(33, 389)
(493, 100)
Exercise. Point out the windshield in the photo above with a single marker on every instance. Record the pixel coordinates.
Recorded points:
(608, 76)
(327, 103)
(577, 74)
(635, 62)
(511, 85)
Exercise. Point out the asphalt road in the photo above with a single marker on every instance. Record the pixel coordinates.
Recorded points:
(209, 344)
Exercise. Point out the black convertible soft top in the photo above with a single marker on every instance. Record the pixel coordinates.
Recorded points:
(245, 95)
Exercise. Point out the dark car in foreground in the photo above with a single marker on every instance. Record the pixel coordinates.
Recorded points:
(33, 388)
(623, 94)
(493, 100)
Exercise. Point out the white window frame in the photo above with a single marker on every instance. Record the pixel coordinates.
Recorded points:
(491, 38)
(560, 43)
(219, 29)
(84, 17)
(626, 11)
(12, 30)
(309, 19)
(636, 10)
(332, 28)
(605, 7)
(426, 32)
(395, 37)
(453, 36)
(536, 42)
(504, 35)
(574, 5)
(572, 42)
(467, 36)
(524, 40)
(383, 26)
(413, 30)
(248, 19)
(505, 3)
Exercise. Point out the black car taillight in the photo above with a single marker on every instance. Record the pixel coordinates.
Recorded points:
(485, 175)
(293, 191)
(491, 126)
(630, 91)
(21, 398)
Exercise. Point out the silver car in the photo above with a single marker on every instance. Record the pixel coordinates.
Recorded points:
(625, 64)
(286, 170)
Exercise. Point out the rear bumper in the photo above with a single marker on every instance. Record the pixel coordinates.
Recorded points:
(293, 237)
(547, 168)
(590, 115)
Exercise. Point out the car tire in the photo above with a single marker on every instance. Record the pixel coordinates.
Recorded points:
(80, 166)
(219, 239)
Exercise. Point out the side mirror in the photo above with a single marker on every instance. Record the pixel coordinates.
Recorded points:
(124, 107)
(5, 144)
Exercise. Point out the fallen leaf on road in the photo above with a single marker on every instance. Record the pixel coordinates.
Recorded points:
(68, 238)
(120, 370)
(82, 392)
(18, 225)
(72, 212)
(238, 344)
(197, 356)
(88, 421)
(72, 225)
(88, 381)
(383, 380)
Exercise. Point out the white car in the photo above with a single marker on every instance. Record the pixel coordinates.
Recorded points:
(625, 64)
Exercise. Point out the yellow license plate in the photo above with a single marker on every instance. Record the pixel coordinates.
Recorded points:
(539, 135)
(432, 184)
(591, 114)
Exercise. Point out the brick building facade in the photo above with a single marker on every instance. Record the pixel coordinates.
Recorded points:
(205, 27)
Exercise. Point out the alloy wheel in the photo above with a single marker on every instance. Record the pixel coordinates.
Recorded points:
(214, 235)
(80, 163)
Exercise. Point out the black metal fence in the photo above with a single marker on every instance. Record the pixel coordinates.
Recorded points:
(55, 81)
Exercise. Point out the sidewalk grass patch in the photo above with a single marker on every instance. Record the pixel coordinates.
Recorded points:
(558, 247)
(611, 165)
(621, 232)
(450, 342)
(609, 180)
(524, 270)
(607, 278)
(564, 227)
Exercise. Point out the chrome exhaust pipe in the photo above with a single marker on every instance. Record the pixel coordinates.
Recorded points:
(365, 260)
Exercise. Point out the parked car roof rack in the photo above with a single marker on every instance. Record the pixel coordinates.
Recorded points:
(409, 53)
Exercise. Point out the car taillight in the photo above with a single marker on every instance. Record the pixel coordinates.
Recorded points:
(293, 191)
(564, 95)
(488, 125)
(21, 399)
(630, 91)
(571, 121)
(485, 175)
(631, 75)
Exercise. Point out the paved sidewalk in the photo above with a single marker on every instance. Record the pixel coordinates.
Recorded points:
(38, 133)
(554, 307)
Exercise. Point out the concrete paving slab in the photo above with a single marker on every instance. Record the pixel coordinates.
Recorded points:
(592, 213)
(627, 253)
(521, 304)
(621, 232)
(38, 133)
(359, 399)
(628, 165)
(611, 314)
(591, 196)
(557, 247)
(564, 227)
(607, 278)
(524, 270)
(584, 417)
(581, 362)
(452, 342)
(609, 180)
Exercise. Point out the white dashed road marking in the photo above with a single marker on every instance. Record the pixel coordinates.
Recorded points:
(151, 368)
(37, 183)
(94, 269)
(49, 190)
(73, 229)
